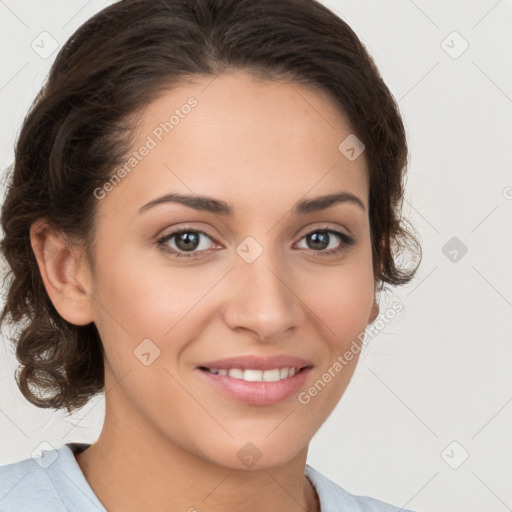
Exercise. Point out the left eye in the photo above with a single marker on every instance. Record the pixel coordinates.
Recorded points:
(323, 237)
(188, 240)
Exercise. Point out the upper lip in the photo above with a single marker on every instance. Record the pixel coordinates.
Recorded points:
(258, 362)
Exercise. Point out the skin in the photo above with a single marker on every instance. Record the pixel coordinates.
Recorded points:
(260, 146)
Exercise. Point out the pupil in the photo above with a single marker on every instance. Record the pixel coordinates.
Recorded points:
(187, 240)
(322, 237)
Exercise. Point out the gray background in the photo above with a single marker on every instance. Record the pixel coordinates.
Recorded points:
(434, 386)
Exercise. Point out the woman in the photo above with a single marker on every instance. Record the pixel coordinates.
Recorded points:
(204, 204)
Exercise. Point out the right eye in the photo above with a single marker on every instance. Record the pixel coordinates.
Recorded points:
(186, 241)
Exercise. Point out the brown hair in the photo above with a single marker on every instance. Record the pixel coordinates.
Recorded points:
(78, 130)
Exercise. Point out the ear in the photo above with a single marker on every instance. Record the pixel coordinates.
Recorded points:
(65, 276)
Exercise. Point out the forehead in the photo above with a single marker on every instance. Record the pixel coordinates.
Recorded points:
(237, 137)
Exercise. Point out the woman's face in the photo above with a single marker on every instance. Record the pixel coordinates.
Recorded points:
(253, 283)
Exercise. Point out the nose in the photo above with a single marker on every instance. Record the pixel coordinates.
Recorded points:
(262, 299)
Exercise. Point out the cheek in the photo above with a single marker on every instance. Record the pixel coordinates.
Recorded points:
(143, 296)
(344, 305)
(342, 298)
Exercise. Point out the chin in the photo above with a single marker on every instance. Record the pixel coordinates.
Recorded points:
(258, 453)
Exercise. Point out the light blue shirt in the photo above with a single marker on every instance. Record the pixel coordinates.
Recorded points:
(54, 482)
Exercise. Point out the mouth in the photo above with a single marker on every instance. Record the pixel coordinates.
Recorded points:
(256, 381)
(255, 374)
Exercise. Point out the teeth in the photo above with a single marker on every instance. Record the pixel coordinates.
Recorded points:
(271, 375)
(251, 375)
(236, 373)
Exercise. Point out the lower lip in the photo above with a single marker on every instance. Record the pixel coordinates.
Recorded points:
(257, 393)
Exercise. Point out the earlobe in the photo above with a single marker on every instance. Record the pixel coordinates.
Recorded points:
(64, 277)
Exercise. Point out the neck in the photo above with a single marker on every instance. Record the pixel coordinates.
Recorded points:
(128, 457)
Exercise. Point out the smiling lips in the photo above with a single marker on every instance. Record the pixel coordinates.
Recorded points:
(251, 375)
(256, 380)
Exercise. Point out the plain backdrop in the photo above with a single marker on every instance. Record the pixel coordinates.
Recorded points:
(426, 421)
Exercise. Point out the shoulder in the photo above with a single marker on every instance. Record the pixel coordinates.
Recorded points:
(331, 496)
(25, 485)
(51, 482)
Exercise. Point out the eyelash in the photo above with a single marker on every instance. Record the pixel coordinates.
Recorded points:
(346, 242)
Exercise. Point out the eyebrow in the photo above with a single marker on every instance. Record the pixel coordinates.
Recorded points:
(216, 206)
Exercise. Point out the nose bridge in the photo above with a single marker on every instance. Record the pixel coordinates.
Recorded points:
(262, 300)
